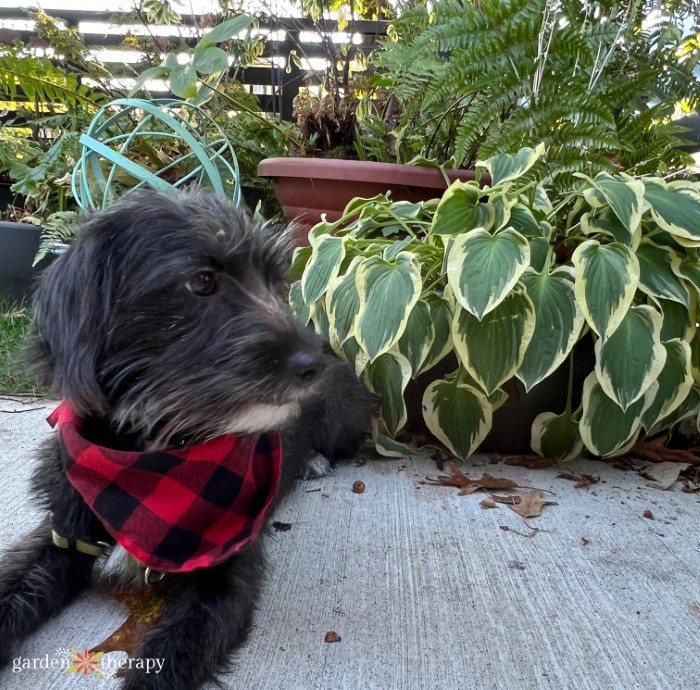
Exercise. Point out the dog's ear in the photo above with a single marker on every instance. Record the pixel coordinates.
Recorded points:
(71, 310)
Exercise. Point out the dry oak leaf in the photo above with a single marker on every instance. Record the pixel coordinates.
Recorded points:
(469, 486)
(145, 610)
(487, 502)
(525, 503)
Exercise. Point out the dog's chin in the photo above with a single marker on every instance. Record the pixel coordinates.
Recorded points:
(261, 417)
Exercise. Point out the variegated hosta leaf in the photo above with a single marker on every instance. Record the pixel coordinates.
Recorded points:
(387, 376)
(417, 339)
(606, 280)
(540, 200)
(322, 268)
(319, 316)
(605, 428)
(688, 408)
(675, 382)
(502, 203)
(504, 167)
(300, 258)
(482, 268)
(606, 222)
(389, 448)
(539, 251)
(355, 355)
(624, 196)
(522, 219)
(458, 415)
(659, 268)
(344, 303)
(677, 321)
(690, 270)
(558, 324)
(461, 211)
(296, 302)
(556, 436)
(388, 291)
(492, 349)
(632, 357)
(441, 318)
(674, 211)
(498, 399)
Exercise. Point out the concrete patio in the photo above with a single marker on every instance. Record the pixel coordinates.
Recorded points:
(430, 591)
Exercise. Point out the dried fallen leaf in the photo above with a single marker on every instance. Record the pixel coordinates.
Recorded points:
(690, 488)
(469, 486)
(145, 610)
(568, 475)
(663, 475)
(532, 462)
(586, 480)
(656, 451)
(332, 636)
(525, 503)
(488, 502)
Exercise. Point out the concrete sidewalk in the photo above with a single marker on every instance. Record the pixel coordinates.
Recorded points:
(428, 590)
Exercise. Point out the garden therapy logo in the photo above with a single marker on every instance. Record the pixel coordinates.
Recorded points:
(86, 663)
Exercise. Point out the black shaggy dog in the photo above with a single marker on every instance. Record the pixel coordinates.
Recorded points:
(165, 331)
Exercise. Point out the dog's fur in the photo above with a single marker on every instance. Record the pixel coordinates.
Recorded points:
(165, 322)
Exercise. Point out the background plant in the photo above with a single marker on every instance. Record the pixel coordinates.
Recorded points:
(596, 82)
(509, 282)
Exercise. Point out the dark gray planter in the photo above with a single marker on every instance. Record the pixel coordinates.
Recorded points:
(19, 243)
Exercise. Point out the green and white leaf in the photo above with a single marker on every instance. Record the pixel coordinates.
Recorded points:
(355, 355)
(605, 429)
(458, 415)
(688, 408)
(319, 316)
(556, 436)
(558, 324)
(441, 318)
(504, 167)
(675, 382)
(607, 223)
(607, 277)
(632, 357)
(417, 339)
(659, 268)
(323, 267)
(388, 447)
(677, 321)
(690, 270)
(482, 268)
(540, 200)
(298, 305)
(388, 291)
(492, 349)
(344, 303)
(539, 252)
(522, 219)
(625, 196)
(674, 211)
(460, 210)
(387, 376)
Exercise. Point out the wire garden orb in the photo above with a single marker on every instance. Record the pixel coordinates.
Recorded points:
(161, 144)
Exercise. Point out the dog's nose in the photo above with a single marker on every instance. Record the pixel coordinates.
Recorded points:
(305, 366)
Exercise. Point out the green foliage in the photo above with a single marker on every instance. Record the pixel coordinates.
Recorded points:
(470, 80)
(14, 326)
(509, 283)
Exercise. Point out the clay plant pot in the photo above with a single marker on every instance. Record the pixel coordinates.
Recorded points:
(308, 187)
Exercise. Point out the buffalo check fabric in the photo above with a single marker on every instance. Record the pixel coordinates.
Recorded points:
(176, 510)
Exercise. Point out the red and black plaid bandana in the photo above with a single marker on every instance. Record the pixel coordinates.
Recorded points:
(176, 510)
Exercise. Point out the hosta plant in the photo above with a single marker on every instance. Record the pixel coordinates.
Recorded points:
(509, 280)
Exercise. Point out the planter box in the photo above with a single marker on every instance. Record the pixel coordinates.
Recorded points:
(308, 187)
(19, 243)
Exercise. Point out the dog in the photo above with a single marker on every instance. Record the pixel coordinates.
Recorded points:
(191, 400)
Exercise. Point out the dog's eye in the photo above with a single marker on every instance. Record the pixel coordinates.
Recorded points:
(202, 283)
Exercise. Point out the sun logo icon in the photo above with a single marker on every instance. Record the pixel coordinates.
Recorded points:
(85, 662)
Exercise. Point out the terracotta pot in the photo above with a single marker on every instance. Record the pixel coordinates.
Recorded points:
(308, 187)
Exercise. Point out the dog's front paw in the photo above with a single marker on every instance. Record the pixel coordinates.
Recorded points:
(317, 466)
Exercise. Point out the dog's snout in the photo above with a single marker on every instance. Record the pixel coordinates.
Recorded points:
(305, 366)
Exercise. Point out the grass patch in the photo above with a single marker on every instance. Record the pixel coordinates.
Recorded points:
(14, 325)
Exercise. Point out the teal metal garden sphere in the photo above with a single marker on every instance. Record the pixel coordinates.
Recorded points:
(161, 144)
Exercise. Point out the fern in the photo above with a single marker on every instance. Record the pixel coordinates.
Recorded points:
(480, 78)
